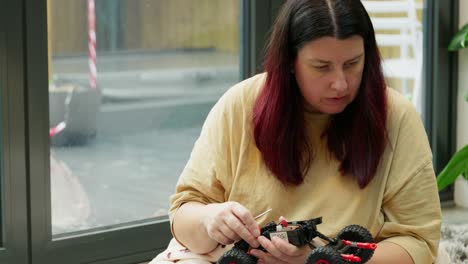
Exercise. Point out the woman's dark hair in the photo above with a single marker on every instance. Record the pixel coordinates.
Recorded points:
(356, 136)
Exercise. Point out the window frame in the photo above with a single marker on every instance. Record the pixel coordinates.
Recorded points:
(13, 207)
(442, 82)
(257, 17)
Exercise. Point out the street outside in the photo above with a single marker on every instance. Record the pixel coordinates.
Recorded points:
(152, 110)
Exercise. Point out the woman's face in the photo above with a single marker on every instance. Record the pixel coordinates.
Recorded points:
(329, 72)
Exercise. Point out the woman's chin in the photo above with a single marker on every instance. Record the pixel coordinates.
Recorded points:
(332, 110)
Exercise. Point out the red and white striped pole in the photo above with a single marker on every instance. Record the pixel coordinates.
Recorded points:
(92, 44)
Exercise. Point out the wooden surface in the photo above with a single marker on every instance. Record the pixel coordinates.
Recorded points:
(147, 25)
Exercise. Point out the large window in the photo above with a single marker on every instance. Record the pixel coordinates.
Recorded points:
(127, 89)
(131, 83)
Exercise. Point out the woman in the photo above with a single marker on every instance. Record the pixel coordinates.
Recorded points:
(318, 134)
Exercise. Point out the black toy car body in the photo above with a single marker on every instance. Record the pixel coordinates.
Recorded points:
(353, 244)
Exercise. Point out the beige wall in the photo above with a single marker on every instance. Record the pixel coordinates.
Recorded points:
(462, 119)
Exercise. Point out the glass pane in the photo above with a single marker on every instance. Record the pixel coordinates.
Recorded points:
(131, 82)
(398, 26)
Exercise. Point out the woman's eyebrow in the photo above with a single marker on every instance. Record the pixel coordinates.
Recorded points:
(319, 61)
(325, 61)
(355, 58)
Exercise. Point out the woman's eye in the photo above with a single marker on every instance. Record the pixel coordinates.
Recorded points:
(322, 67)
(352, 63)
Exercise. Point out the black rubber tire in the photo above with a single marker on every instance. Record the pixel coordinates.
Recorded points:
(357, 233)
(237, 256)
(324, 255)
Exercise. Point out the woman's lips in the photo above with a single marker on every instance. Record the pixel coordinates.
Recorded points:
(336, 100)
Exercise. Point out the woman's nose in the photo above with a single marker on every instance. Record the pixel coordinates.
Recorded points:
(339, 82)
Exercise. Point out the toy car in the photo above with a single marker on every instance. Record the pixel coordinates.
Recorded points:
(353, 244)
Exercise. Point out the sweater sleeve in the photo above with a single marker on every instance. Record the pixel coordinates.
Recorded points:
(200, 180)
(208, 175)
(411, 205)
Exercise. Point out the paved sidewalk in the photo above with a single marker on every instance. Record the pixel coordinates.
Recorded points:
(152, 75)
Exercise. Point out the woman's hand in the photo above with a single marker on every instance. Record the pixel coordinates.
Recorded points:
(229, 222)
(280, 251)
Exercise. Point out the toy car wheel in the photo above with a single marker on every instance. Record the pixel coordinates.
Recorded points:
(357, 233)
(324, 255)
(236, 256)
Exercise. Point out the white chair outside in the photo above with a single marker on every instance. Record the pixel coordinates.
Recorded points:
(396, 25)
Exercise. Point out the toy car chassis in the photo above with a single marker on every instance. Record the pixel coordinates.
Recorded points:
(353, 244)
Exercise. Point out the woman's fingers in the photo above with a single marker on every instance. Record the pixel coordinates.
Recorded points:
(271, 248)
(231, 222)
(228, 232)
(246, 218)
(279, 248)
(221, 238)
(241, 230)
(285, 248)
